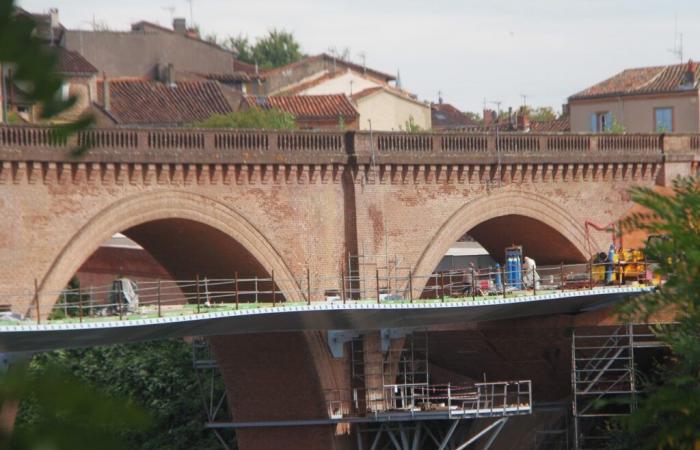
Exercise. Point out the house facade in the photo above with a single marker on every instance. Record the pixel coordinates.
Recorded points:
(147, 49)
(382, 106)
(643, 100)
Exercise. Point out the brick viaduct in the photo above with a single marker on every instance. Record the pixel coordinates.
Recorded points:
(212, 202)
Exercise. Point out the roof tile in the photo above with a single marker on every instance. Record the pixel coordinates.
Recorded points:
(646, 80)
(308, 107)
(141, 102)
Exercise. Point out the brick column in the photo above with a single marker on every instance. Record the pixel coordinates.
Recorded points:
(273, 377)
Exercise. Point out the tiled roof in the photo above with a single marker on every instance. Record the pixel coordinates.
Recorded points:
(240, 66)
(646, 80)
(70, 62)
(301, 87)
(337, 62)
(141, 24)
(391, 90)
(227, 77)
(364, 93)
(308, 107)
(446, 116)
(559, 125)
(141, 102)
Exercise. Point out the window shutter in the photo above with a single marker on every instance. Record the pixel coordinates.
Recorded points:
(594, 123)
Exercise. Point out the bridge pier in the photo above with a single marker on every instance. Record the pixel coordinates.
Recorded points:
(278, 377)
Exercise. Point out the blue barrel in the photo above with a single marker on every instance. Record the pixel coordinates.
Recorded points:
(511, 271)
(518, 273)
(498, 281)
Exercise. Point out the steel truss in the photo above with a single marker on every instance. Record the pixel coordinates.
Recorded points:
(424, 435)
(212, 390)
(604, 378)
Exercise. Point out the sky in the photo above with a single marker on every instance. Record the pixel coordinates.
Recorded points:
(470, 51)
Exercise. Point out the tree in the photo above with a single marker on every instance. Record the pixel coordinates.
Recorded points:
(156, 377)
(254, 118)
(60, 412)
(240, 44)
(473, 117)
(32, 62)
(543, 114)
(276, 49)
(668, 416)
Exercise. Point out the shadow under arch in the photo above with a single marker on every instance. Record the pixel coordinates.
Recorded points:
(474, 213)
(144, 208)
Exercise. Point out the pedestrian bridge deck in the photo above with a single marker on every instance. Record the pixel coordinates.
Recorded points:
(25, 336)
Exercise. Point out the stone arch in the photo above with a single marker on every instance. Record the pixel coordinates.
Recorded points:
(148, 207)
(489, 207)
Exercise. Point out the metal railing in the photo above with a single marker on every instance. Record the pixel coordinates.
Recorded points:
(488, 399)
(161, 298)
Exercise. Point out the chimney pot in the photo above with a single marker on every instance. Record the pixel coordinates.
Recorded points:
(53, 13)
(105, 92)
(180, 25)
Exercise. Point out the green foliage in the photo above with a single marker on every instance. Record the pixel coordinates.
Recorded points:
(32, 62)
(616, 127)
(411, 126)
(474, 117)
(158, 376)
(277, 48)
(539, 114)
(70, 301)
(59, 412)
(669, 415)
(242, 44)
(254, 118)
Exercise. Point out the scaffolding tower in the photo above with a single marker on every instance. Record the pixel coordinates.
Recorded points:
(212, 390)
(604, 378)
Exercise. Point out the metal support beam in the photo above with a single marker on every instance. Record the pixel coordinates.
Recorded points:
(448, 436)
(389, 334)
(497, 426)
(337, 340)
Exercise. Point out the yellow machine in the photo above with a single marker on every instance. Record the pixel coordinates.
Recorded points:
(628, 266)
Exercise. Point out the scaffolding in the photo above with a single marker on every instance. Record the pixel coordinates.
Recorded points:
(212, 390)
(394, 405)
(604, 378)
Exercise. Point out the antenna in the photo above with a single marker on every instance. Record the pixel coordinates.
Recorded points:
(363, 58)
(677, 49)
(524, 96)
(191, 14)
(171, 10)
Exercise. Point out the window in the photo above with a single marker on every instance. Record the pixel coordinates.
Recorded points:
(663, 120)
(601, 122)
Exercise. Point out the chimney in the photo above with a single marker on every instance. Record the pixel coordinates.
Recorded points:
(565, 109)
(180, 25)
(511, 121)
(489, 117)
(523, 121)
(170, 75)
(105, 92)
(53, 13)
(690, 78)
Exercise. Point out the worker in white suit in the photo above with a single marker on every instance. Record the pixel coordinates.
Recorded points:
(531, 278)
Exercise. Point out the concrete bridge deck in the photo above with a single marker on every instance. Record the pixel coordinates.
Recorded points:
(353, 315)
